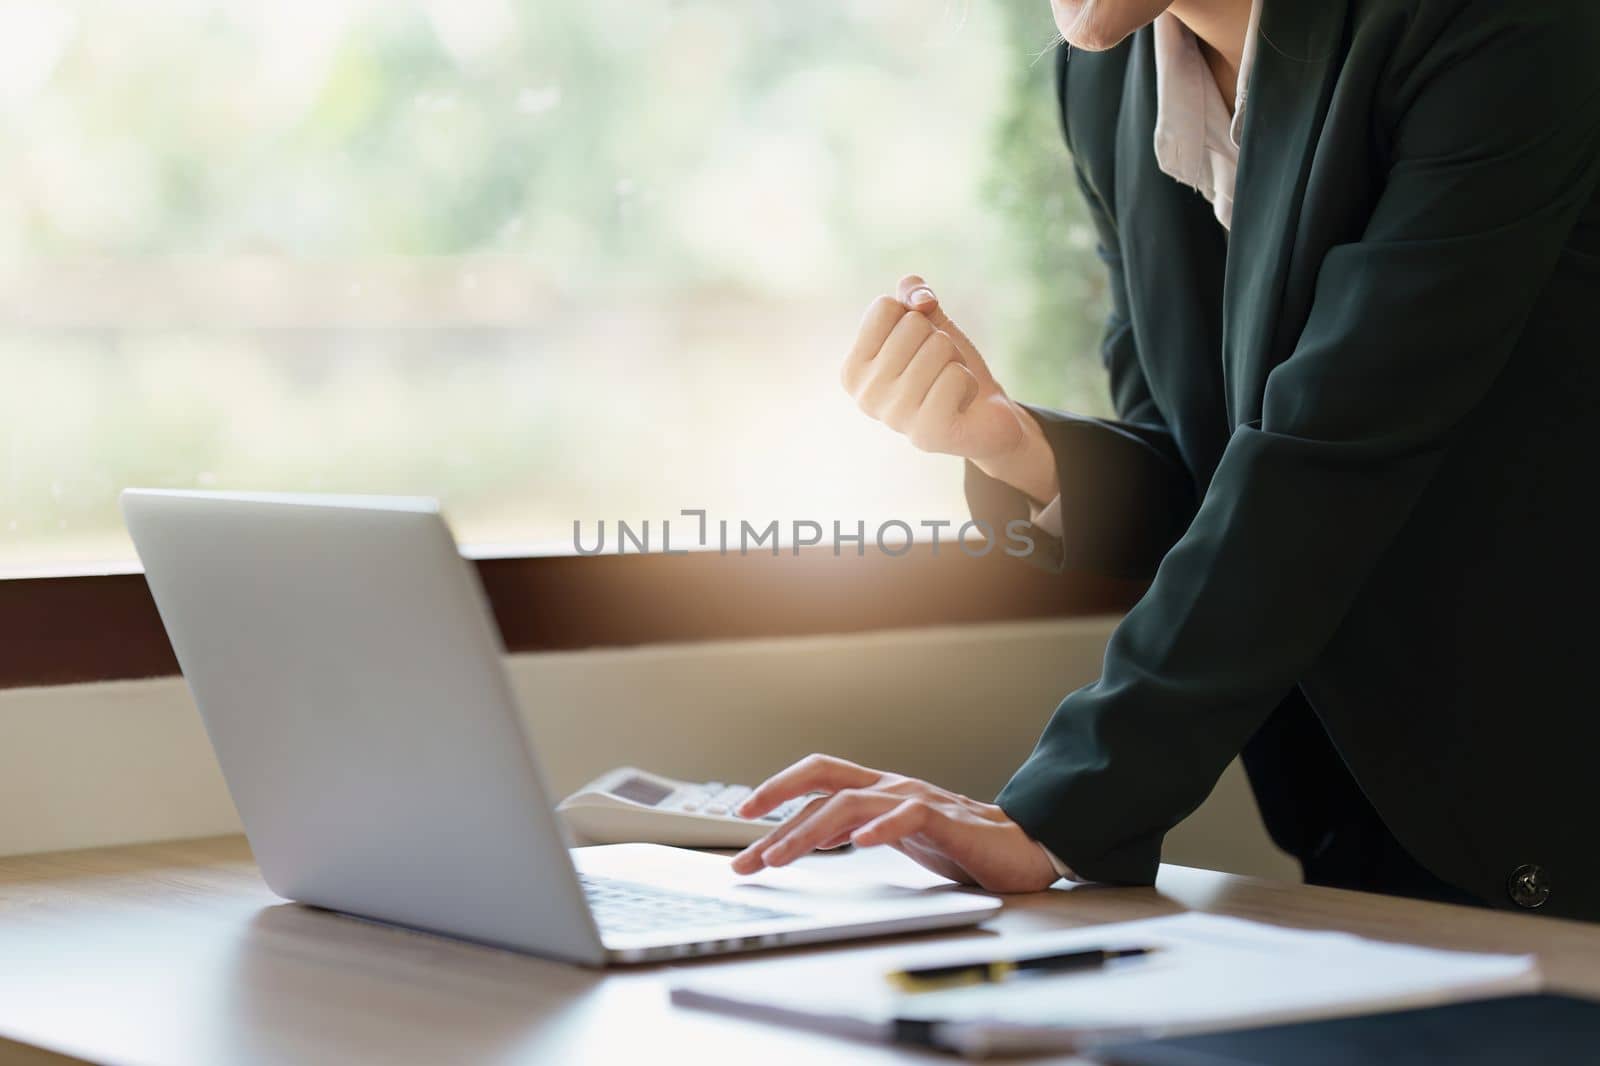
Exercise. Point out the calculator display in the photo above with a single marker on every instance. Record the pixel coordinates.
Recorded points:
(640, 790)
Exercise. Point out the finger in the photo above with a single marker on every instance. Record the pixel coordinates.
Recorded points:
(969, 351)
(937, 352)
(884, 369)
(814, 773)
(838, 840)
(955, 843)
(904, 819)
(916, 295)
(842, 812)
(905, 788)
(937, 420)
(748, 861)
(876, 324)
(752, 858)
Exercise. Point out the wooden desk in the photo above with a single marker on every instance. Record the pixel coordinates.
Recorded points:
(177, 953)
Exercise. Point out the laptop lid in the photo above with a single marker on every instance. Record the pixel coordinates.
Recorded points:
(349, 675)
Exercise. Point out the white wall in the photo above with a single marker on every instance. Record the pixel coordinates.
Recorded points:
(86, 765)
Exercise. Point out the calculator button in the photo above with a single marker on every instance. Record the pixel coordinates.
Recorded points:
(716, 808)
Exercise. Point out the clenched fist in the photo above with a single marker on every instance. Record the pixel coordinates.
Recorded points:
(915, 371)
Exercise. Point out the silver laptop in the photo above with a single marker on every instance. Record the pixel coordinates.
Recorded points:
(349, 675)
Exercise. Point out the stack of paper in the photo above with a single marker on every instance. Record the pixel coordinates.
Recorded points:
(1209, 973)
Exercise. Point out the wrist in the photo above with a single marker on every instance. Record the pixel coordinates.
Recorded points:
(1030, 467)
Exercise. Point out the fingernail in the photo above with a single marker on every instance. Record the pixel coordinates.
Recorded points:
(921, 295)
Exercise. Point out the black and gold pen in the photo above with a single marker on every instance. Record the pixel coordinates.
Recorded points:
(929, 978)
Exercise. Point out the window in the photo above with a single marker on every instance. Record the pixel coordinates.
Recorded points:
(549, 261)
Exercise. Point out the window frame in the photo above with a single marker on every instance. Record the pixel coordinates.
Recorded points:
(101, 624)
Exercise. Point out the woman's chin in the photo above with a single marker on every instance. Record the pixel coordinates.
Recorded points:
(1096, 25)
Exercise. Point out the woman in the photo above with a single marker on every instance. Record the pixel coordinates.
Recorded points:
(1354, 257)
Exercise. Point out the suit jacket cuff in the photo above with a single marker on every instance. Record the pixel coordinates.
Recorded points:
(1124, 497)
(1055, 797)
(1062, 870)
(1048, 517)
(1006, 513)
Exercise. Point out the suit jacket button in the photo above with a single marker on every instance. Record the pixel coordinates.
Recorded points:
(1529, 886)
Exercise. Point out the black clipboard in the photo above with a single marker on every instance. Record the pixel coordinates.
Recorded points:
(1533, 1029)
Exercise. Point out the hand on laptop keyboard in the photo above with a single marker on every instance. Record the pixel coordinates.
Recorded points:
(952, 835)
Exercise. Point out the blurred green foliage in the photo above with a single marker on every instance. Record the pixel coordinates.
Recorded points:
(682, 206)
(1032, 186)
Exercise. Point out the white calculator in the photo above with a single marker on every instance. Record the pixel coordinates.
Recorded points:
(629, 805)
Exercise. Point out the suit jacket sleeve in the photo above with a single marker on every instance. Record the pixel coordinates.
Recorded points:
(1126, 493)
(1494, 140)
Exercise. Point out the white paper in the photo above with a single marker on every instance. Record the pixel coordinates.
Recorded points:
(1210, 972)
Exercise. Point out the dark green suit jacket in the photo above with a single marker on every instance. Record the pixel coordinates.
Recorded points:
(1356, 445)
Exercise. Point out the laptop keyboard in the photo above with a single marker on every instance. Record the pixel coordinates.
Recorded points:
(629, 907)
